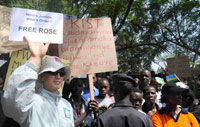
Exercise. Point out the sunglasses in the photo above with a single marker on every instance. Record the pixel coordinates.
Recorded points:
(62, 73)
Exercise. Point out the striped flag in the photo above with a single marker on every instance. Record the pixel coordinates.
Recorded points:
(171, 78)
(160, 80)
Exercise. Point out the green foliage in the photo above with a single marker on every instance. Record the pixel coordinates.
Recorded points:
(143, 29)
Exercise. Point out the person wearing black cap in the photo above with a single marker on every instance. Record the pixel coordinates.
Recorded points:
(172, 115)
(123, 114)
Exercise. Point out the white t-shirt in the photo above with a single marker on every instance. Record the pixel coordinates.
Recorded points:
(104, 101)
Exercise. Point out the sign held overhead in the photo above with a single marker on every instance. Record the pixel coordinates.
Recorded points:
(38, 26)
(89, 46)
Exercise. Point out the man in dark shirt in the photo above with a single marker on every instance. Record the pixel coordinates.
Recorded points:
(123, 114)
(145, 79)
(150, 106)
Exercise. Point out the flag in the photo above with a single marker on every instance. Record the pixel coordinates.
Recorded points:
(160, 80)
(172, 77)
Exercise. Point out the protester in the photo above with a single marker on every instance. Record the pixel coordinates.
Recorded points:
(1, 87)
(187, 99)
(46, 108)
(189, 103)
(86, 90)
(80, 108)
(158, 82)
(66, 92)
(173, 115)
(145, 79)
(2, 117)
(104, 99)
(137, 99)
(110, 92)
(196, 88)
(123, 114)
(137, 80)
(150, 107)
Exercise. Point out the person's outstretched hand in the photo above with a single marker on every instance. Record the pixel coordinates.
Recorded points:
(38, 50)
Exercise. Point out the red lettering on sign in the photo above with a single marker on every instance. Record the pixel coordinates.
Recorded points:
(73, 22)
(90, 26)
(97, 63)
(98, 22)
(86, 23)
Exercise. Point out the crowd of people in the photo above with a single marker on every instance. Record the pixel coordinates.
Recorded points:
(121, 100)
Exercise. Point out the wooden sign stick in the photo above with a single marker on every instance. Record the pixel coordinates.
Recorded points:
(91, 86)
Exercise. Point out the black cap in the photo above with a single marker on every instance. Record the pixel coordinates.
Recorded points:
(175, 87)
(189, 94)
(122, 78)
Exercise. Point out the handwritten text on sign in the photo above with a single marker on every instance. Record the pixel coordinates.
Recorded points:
(89, 45)
(17, 59)
(179, 65)
(37, 25)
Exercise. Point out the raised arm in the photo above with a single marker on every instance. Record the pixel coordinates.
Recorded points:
(18, 97)
(38, 50)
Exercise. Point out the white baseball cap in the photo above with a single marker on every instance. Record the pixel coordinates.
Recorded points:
(53, 64)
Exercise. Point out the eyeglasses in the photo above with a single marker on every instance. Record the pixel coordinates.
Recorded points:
(62, 73)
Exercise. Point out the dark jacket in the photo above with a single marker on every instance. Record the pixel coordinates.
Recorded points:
(123, 115)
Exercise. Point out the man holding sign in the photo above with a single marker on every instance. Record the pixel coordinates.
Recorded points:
(46, 108)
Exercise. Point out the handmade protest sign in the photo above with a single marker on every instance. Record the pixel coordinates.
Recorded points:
(17, 59)
(180, 66)
(6, 45)
(38, 26)
(53, 49)
(89, 46)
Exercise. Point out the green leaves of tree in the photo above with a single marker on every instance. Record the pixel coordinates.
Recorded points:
(143, 29)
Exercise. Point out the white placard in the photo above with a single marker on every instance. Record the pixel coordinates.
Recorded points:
(38, 26)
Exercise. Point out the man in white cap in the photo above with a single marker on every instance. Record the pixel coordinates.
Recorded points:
(46, 108)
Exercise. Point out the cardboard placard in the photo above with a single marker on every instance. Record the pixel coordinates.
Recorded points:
(7, 46)
(17, 59)
(89, 46)
(180, 66)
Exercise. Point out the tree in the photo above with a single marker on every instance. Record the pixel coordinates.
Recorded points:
(180, 27)
(143, 29)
